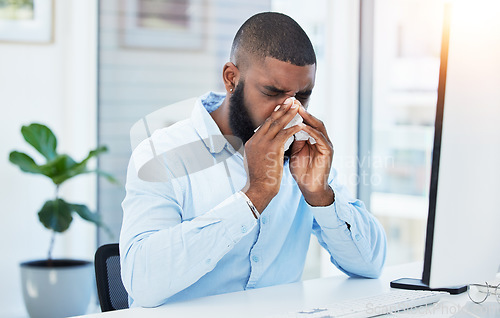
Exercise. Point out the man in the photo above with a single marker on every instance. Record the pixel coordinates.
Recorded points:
(244, 220)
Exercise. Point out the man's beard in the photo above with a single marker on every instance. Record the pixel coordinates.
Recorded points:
(239, 119)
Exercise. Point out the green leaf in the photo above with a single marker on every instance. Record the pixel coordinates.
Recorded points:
(41, 138)
(82, 165)
(84, 212)
(57, 167)
(62, 168)
(68, 175)
(73, 169)
(56, 215)
(94, 153)
(25, 162)
(108, 176)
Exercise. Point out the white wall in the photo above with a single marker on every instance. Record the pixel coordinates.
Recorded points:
(52, 84)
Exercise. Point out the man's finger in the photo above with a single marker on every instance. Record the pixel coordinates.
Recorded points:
(313, 122)
(284, 134)
(321, 140)
(279, 119)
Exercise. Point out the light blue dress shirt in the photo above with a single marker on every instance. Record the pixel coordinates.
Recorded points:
(187, 231)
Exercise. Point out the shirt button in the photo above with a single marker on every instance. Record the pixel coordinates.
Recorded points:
(357, 237)
(255, 259)
(243, 229)
(264, 220)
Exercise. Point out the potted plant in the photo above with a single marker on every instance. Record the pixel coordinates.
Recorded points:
(57, 287)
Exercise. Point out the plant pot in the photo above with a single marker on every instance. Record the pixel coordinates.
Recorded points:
(60, 289)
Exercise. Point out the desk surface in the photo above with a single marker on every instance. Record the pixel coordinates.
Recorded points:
(273, 300)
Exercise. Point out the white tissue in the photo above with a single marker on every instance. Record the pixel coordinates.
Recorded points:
(301, 135)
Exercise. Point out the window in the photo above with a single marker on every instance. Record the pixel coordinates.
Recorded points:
(405, 74)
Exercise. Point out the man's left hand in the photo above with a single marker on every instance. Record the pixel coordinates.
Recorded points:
(310, 164)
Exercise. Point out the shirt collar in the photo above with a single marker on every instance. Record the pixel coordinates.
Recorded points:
(204, 124)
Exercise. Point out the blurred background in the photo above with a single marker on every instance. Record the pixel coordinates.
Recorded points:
(104, 65)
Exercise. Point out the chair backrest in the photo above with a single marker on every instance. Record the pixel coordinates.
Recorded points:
(112, 294)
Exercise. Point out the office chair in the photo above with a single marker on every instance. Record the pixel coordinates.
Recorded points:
(112, 294)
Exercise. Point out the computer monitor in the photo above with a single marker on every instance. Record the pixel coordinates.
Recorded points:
(463, 227)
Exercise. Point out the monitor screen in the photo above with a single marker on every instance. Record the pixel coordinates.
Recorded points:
(463, 230)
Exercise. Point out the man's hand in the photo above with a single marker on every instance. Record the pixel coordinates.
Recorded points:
(264, 155)
(310, 164)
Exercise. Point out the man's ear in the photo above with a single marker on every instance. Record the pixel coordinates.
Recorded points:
(230, 76)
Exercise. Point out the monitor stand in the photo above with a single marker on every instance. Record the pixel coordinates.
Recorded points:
(417, 284)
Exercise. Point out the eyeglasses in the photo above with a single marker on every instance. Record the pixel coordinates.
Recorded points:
(478, 293)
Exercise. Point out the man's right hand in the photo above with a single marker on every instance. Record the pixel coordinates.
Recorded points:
(264, 154)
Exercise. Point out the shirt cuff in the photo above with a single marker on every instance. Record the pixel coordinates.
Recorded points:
(334, 215)
(236, 217)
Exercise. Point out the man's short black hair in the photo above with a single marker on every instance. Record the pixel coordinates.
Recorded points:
(272, 34)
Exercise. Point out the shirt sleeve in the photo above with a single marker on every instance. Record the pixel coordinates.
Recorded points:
(354, 238)
(161, 254)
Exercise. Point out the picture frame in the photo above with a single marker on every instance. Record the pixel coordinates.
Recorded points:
(170, 25)
(28, 21)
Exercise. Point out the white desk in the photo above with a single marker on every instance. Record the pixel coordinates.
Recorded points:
(303, 295)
